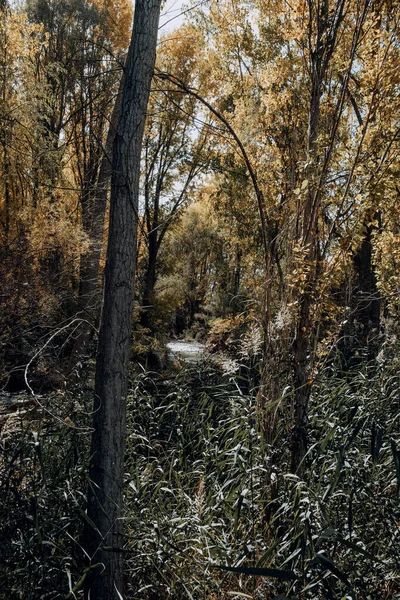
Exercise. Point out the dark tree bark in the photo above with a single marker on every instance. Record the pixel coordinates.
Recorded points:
(93, 214)
(367, 294)
(325, 34)
(321, 50)
(360, 335)
(150, 276)
(104, 536)
(309, 236)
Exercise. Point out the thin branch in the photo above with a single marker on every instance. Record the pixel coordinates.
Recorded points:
(264, 217)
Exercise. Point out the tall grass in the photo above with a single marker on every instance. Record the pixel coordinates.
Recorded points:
(204, 494)
(43, 458)
(210, 512)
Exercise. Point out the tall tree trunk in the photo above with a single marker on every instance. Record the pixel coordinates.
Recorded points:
(301, 385)
(94, 214)
(304, 325)
(104, 540)
(4, 119)
(322, 41)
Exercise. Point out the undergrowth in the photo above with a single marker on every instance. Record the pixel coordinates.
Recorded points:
(204, 495)
(210, 512)
(43, 458)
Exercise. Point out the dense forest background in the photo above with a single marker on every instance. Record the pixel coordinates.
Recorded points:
(268, 229)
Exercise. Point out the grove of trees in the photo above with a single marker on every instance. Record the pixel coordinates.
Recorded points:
(233, 181)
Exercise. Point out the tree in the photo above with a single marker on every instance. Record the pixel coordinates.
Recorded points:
(93, 119)
(188, 260)
(175, 152)
(294, 90)
(104, 534)
(94, 207)
(86, 45)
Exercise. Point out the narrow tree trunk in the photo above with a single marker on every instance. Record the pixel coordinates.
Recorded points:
(89, 285)
(238, 272)
(4, 129)
(104, 540)
(360, 335)
(6, 176)
(302, 386)
(150, 281)
(368, 305)
(304, 326)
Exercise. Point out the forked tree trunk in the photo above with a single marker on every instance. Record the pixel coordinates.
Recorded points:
(104, 536)
(321, 51)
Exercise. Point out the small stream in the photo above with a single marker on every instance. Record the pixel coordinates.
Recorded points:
(190, 352)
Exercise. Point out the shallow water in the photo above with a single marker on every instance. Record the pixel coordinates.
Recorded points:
(191, 352)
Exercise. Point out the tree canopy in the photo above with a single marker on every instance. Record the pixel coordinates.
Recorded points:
(259, 218)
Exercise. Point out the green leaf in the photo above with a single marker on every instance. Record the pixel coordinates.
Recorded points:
(237, 513)
(340, 462)
(328, 564)
(396, 458)
(329, 436)
(261, 572)
(268, 552)
(357, 548)
(327, 534)
(79, 585)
